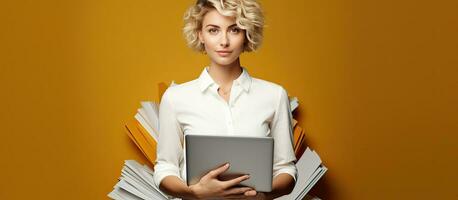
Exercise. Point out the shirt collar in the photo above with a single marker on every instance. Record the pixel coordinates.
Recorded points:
(205, 80)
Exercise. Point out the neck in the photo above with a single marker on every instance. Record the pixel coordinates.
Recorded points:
(225, 74)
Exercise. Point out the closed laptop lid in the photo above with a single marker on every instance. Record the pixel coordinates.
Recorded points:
(246, 155)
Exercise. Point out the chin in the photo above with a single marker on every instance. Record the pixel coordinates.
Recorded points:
(225, 61)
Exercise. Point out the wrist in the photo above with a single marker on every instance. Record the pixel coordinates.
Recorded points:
(194, 192)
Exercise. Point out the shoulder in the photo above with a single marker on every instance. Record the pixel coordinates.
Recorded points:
(273, 94)
(180, 91)
(268, 87)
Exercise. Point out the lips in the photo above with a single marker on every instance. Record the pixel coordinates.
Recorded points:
(224, 53)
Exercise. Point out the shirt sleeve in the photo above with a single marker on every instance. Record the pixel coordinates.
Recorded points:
(281, 130)
(169, 145)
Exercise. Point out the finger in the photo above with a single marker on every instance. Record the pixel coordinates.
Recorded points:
(236, 190)
(214, 173)
(251, 193)
(236, 181)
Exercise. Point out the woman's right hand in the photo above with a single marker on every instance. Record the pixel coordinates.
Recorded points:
(210, 187)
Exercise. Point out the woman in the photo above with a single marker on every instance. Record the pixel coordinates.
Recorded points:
(224, 100)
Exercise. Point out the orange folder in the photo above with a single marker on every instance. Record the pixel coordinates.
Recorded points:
(142, 140)
(296, 133)
(149, 139)
(301, 145)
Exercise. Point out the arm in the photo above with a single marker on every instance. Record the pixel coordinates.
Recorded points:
(208, 187)
(174, 186)
(169, 150)
(283, 184)
(284, 169)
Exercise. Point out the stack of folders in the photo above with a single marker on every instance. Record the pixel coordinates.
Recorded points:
(136, 181)
(310, 170)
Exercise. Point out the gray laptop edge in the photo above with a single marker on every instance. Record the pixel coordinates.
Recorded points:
(246, 155)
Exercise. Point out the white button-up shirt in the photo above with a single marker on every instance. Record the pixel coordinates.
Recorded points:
(256, 108)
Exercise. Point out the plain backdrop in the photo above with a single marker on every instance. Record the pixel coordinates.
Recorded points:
(376, 81)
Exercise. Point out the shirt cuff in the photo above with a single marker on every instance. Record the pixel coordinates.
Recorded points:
(163, 170)
(291, 170)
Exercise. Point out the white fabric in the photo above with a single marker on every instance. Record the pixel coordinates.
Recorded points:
(256, 108)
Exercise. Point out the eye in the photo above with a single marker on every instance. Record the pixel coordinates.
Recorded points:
(235, 30)
(212, 30)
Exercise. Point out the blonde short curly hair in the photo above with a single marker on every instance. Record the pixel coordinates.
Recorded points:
(248, 16)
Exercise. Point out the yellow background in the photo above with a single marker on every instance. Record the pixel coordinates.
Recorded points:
(376, 80)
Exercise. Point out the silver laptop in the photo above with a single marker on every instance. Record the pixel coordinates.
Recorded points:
(246, 155)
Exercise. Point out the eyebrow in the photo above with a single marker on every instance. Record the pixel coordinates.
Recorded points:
(219, 27)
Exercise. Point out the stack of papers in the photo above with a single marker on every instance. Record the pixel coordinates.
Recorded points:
(310, 170)
(309, 165)
(143, 130)
(136, 181)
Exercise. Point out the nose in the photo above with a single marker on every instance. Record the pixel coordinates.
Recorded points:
(224, 40)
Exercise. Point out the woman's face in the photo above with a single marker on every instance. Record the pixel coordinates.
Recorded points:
(222, 38)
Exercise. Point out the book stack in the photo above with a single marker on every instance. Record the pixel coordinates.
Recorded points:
(136, 181)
